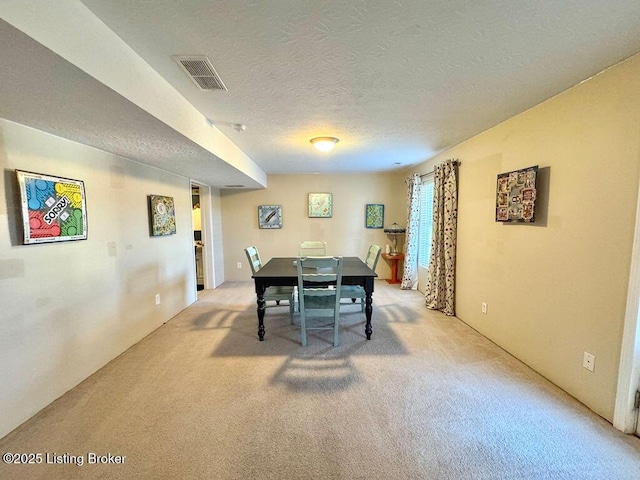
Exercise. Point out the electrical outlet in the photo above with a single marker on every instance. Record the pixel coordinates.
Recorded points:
(157, 299)
(239, 265)
(484, 308)
(589, 361)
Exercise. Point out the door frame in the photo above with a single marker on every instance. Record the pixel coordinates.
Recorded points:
(207, 235)
(625, 416)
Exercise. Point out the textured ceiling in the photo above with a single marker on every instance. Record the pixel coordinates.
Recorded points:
(395, 80)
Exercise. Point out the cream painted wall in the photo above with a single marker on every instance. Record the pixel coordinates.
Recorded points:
(344, 233)
(557, 288)
(69, 308)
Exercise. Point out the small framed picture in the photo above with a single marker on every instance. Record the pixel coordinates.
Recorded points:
(516, 195)
(270, 216)
(320, 205)
(162, 215)
(374, 215)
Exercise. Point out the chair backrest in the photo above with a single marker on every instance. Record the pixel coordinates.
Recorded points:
(312, 248)
(319, 277)
(373, 254)
(254, 259)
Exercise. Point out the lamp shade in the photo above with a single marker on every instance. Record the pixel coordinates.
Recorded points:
(394, 228)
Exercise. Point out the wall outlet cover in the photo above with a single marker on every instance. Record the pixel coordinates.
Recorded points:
(589, 361)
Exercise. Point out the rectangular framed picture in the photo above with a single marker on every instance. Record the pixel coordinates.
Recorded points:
(53, 208)
(516, 195)
(162, 215)
(320, 205)
(270, 216)
(374, 215)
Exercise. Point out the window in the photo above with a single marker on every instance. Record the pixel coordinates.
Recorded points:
(426, 219)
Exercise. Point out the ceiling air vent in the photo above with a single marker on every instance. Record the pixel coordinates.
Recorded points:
(199, 69)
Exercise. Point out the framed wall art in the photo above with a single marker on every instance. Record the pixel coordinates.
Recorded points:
(53, 208)
(516, 196)
(320, 205)
(374, 215)
(162, 216)
(270, 216)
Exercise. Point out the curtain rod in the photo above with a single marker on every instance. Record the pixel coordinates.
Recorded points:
(455, 162)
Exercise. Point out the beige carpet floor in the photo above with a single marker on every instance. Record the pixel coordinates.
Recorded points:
(426, 398)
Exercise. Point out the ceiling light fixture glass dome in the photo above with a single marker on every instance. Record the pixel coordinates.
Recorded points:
(324, 144)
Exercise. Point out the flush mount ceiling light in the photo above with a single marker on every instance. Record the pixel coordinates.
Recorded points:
(324, 144)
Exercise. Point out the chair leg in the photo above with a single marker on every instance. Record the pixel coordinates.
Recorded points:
(291, 308)
(336, 329)
(303, 329)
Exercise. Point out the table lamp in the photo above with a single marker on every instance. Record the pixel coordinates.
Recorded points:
(394, 230)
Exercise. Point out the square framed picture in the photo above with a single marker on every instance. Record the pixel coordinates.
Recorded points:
(53, 208)
(162, 215)
(374, 215)
(516, 196)
(320, 205)
(270, 216)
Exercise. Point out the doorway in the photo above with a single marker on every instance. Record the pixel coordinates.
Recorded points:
(203, 237)
(198, 244)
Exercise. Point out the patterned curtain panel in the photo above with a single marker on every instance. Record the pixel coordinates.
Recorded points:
(441, 281)
(410, 272)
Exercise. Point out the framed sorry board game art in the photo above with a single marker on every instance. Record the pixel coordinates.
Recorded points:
(53, 208)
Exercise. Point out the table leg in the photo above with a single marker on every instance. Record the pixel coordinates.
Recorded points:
(260, 289)
(368, 310)
(368, 306)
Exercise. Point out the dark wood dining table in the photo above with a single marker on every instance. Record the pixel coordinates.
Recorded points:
(281, 271)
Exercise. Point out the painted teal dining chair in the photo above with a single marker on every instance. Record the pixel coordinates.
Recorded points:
(319, 284)
(312, 248)
(272, 294)
(356, 291)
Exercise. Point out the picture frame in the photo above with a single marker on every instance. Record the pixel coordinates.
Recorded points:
(53, 208)
(162, 216)
(374, 215)
(320, 205)
(270, 216)
(516, 195)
